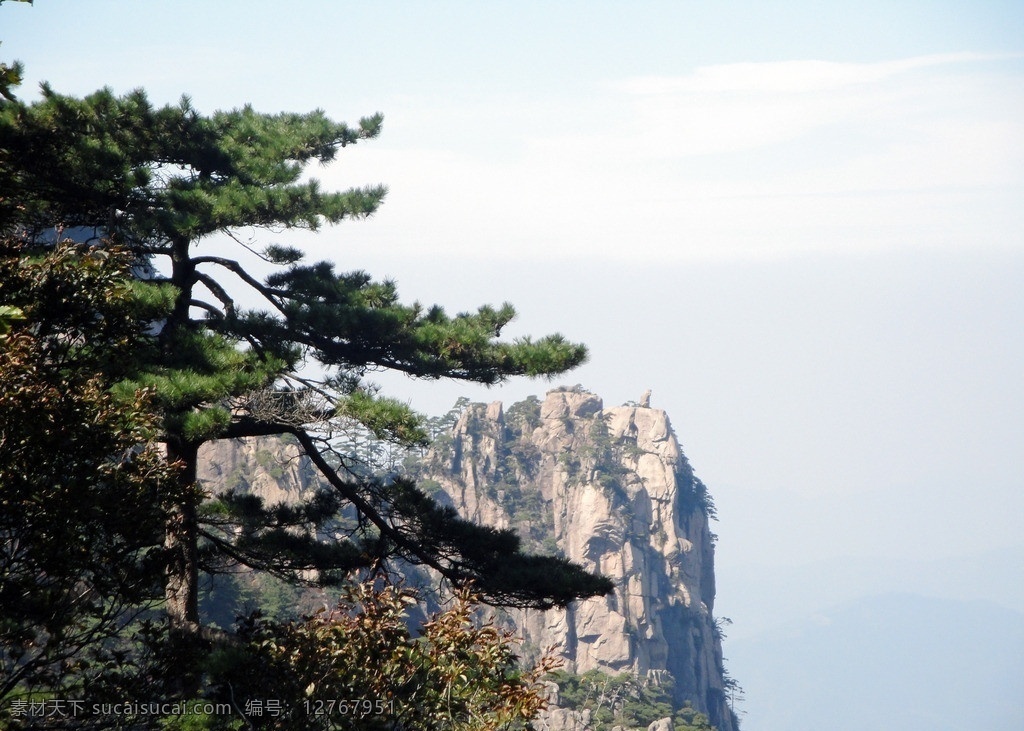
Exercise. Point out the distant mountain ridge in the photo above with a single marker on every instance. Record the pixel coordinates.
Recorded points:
(774, 594)
(890, 661)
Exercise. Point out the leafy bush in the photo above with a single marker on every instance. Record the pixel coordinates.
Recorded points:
(455, 675)
(524, 416)
(624, 700)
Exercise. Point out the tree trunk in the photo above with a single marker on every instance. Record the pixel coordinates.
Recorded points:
(181, 547)
(181, 577)
(182, 526)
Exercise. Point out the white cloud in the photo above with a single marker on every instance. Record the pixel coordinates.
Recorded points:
(737, 161)
(742, 107)
(790, 77)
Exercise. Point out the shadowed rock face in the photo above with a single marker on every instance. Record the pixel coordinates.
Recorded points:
(609, 489)
(270, 468)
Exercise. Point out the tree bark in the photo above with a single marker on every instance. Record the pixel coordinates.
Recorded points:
(181, 573)
(181, 545)
(181, 537)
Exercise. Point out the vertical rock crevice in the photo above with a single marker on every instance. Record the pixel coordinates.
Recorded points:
(608, 488)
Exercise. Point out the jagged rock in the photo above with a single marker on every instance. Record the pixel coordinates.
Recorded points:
(607, 487)
(562, 719)
(611, 490)
(269, 467)
(662, 724)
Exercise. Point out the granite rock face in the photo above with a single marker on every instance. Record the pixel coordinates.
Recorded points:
(270, 468)
(609, 488)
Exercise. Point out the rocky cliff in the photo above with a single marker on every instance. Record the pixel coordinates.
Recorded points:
(610, 489)
(270, 468)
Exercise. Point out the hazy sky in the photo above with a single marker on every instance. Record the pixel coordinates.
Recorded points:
(800, 223)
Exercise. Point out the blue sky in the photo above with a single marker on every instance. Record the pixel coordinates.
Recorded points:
(800, 223)
(697, 131)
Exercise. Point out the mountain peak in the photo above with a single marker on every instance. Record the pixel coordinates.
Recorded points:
(608, 488)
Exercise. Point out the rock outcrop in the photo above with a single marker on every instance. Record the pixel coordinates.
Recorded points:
(271, 468)
(610, 489)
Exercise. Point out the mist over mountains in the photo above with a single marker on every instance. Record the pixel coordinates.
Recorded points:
(838, 643)
(890, 661)
(761, 596)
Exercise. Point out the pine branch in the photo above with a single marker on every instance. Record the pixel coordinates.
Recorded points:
(424, 533)
(271, 294)
(218, 291)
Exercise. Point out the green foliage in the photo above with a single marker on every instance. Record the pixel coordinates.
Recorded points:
(283, 254)
(606, 459)
(524, 416)
(204, 350)
(194, 372)
(570, 463)
(81, 478)
(226, 598)
(170, 171)
(694, 494)
(491, 558)
(161, 180)
(689, 719)
(200, 722)
(577, 388)
(269, 463)
(8, 317)
(387, 419)
(10, 77)
(439, 426)
(624, 700)
(430, 487)
(454, 674)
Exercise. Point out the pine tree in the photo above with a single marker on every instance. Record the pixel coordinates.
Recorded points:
(162, 182)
